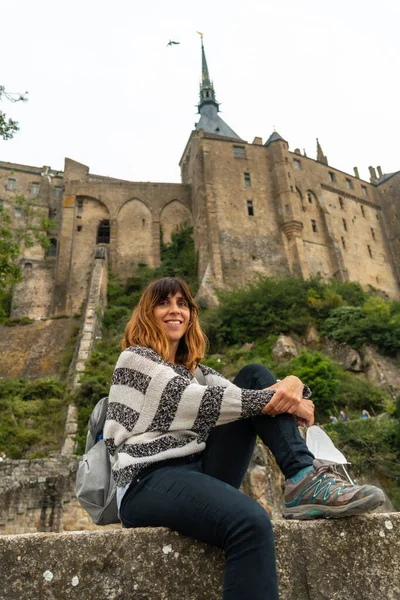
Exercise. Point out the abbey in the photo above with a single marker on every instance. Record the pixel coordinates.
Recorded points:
(254, 207)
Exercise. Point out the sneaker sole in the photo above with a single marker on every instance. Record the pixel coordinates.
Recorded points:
(307, 512)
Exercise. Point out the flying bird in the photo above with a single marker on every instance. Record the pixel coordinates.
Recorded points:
(171, 42)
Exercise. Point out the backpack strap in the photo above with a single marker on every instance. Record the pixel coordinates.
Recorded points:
(199, 376)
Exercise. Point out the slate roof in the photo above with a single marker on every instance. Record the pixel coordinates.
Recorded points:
(211, 122)
(274, 137)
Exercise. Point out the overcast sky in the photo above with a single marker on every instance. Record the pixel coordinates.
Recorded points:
(105, 90)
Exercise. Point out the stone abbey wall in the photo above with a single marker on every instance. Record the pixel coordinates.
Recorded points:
(255, 209)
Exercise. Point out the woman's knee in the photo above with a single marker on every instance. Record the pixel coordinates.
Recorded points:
(254, 523)
(254, 377)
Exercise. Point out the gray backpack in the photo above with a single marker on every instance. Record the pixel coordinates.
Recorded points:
(95, 487)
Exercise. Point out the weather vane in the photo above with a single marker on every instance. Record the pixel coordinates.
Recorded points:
(200, 34)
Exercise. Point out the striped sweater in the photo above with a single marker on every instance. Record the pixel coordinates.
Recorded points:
(158, 411)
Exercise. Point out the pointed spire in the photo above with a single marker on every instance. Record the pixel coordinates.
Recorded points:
(208, 107)
(207, 92)
(320, 155)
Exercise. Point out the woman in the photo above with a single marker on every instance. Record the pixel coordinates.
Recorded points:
(180, 449)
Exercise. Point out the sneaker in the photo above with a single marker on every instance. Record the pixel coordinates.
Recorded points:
(325, 493)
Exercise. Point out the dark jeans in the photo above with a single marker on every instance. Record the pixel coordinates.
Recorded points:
(199, 496)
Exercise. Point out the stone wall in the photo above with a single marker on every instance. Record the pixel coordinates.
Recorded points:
(356, 559)
(35, 350)
(306, 216)
(39, 495)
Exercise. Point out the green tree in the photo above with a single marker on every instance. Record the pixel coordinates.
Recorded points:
(14, 240)
(8, 127)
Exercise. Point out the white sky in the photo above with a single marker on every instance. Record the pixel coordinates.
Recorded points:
(106, 91)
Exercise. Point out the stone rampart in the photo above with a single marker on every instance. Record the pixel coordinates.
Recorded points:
(39, 495)
(356, 559)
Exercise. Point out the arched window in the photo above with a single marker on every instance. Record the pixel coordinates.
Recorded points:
(52, 249)
(28, 266)
(103, 232)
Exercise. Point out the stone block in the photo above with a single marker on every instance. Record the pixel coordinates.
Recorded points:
(356, 559)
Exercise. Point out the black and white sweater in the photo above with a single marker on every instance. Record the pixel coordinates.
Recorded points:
(158, 411)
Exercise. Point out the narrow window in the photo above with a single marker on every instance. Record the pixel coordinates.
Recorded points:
(103, 233)
(11, 184)
(364, 190)
(291, 188)
(309, 197)
(52, 249)
(57, 191)
(79, 227)
(314, 225)
(286, 160)
(288, 175)
(377, 216)
(143, 222)
(370, 251)
(297, 164)
(35, 188)
(349, 184)
(332, 176)
(344, 225)
(372, 233)
(341, 204)
(343, 243)
(18, 211)
(362, 211)
(239, 152)
(80, 206)
(247, 180)
(250, 208)
(287, 208)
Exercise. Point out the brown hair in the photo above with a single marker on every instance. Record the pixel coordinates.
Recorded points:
(144, 330)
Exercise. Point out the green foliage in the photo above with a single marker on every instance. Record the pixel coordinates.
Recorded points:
(269, 306)
(333, 388)
(18, 321)
(32, 416)
(8, 127)
(11, 239)
(372, 447)
(377, 322)
(342, 311)
(318, 372)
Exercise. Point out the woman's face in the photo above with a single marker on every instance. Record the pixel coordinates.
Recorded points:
(173, 314)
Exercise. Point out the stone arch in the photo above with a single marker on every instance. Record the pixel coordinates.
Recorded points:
(89, 213)
(173, 215)
(134, 236)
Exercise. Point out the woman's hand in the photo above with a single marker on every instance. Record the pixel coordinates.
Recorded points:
(288, 398)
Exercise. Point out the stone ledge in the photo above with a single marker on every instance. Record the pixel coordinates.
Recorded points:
(356, 559)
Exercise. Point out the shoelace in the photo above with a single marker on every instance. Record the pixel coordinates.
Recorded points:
(333, 470)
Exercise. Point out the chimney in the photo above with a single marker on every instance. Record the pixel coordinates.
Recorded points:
(379, 172)
(356, 173)
(297, 151)
(257, 141)
(372, 174)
